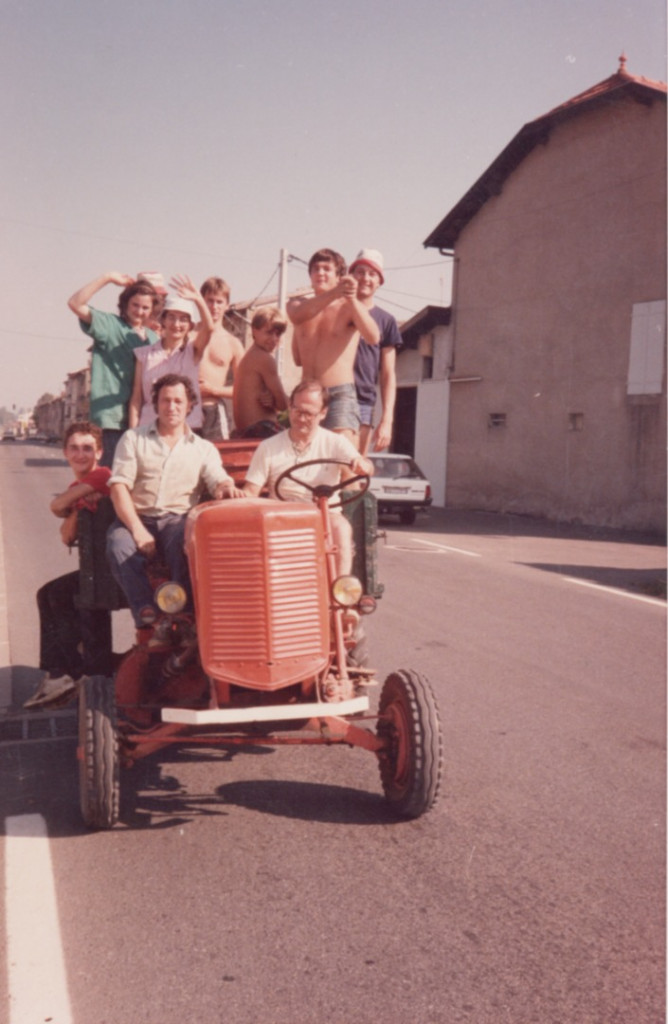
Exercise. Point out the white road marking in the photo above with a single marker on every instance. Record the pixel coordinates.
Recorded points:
(35, 964)
(444, 547)
(5, 654)
(615, 590)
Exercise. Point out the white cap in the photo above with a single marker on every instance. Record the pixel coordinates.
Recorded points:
(372, 258)
(180, 305)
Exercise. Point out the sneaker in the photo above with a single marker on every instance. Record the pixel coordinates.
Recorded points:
(147, 616)
(51, 691)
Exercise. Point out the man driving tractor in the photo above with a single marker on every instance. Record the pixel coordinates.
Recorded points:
(303, 441)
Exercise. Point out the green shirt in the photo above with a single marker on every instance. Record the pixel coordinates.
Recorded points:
(112, 367)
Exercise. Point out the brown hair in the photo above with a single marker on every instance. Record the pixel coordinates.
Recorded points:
(83, 427)
(328, 256)
(215, 286)
(268, 315)
(171, 380)
(138, 288)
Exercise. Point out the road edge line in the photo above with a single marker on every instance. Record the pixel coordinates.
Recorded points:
(5, 653)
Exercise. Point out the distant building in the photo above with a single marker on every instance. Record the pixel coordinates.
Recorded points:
(49, 416)
(77, 396)
(557, 336)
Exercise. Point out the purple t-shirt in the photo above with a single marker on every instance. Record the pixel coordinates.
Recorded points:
(367, 360)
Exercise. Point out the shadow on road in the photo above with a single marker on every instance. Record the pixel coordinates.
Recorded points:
(153, 800)
(648, 582)
(500, 524)
(46, 463)
(309, 801)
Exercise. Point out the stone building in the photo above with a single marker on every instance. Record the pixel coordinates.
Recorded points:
(557, 334)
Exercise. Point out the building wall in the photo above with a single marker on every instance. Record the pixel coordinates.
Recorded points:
(548, 273)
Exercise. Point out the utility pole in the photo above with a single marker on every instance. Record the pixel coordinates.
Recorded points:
(283, 280)
(282, 298)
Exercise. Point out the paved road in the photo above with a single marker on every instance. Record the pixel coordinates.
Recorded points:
(273, 886)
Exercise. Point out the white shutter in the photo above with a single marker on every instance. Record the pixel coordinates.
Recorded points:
(648, 333)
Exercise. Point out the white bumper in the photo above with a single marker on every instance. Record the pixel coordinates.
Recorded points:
(266, 713)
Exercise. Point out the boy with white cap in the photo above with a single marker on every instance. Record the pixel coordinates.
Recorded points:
(327, 329)
(375, 362)
(173, 353)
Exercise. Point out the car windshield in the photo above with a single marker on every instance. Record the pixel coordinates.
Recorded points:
(398, 468)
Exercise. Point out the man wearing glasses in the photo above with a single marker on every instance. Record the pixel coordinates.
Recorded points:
(303, 441)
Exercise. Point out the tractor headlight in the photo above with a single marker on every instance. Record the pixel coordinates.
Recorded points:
(171, 598)
(347, 590)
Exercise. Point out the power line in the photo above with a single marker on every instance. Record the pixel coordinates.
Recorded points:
(417, 266)
(409, 295)
(124, 241)
(265, 286)
(398, 305)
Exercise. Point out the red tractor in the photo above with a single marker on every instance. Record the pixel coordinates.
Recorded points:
(274, 653)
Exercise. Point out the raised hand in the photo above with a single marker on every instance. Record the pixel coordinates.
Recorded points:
(184, 287)
(122, 280)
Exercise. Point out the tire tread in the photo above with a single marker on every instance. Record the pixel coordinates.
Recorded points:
(423, 787)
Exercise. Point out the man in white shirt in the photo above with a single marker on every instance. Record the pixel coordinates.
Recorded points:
(303, 441)
(159, 474)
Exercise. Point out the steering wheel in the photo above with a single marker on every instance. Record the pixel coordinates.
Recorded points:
(323, 490)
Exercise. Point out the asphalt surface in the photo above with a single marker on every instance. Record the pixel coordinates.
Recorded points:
(275, 886)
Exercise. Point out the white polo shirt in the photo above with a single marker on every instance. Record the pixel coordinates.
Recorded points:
(276, 454)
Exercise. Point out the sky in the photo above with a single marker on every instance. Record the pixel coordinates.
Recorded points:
(204, 136)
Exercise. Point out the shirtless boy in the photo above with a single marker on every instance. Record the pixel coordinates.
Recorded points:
(326, 336)
(258, 392)
(223, 353)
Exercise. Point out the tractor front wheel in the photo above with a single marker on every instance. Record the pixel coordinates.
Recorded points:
(98, 753)
(411, 761)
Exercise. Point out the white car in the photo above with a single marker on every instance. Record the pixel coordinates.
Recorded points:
(399, 485)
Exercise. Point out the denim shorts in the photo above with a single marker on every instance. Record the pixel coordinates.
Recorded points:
(366, 414)
(343, 410)
(214, 422)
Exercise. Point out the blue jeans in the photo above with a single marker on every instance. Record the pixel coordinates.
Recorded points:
(72, 641)
(110, 439)
(129, 567)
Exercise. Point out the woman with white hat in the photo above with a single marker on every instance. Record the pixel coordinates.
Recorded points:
(174, 353)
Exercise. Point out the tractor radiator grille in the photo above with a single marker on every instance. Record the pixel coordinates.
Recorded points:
(264, 596)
